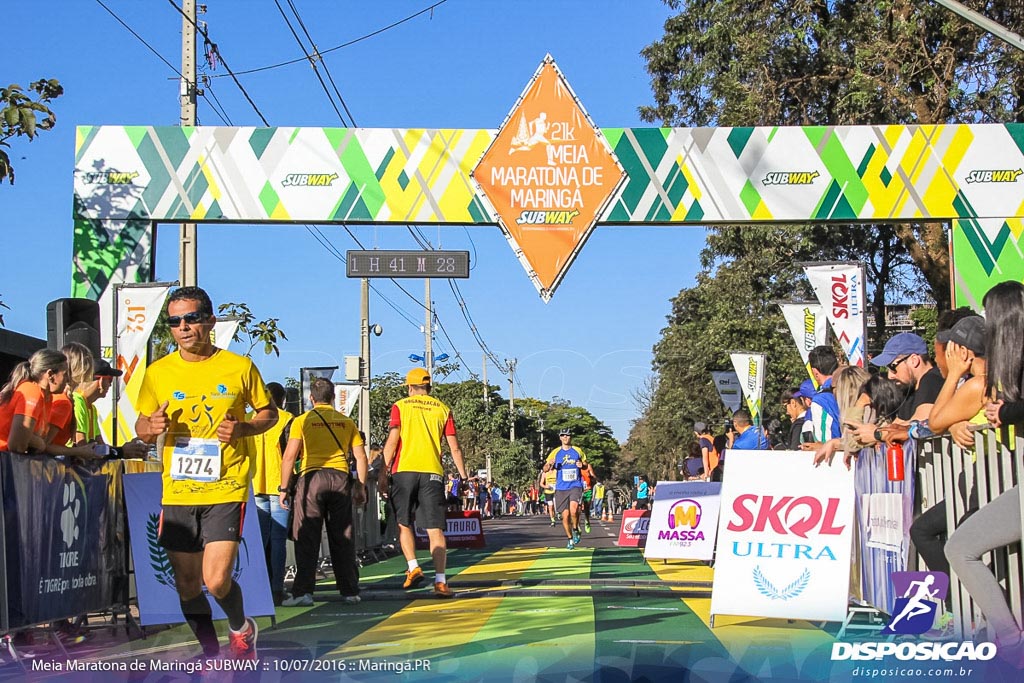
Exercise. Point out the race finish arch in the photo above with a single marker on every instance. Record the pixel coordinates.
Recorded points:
(547, 177)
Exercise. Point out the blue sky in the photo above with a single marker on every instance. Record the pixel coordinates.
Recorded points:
(460, 66)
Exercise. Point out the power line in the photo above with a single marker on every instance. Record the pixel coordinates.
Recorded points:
(343, 45)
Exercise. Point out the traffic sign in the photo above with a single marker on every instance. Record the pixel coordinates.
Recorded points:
(407, 264)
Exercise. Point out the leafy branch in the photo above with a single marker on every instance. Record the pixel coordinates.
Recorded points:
(25, 114)
(254, 332)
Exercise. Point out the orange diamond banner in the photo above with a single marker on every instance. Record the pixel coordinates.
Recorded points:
(549, 173)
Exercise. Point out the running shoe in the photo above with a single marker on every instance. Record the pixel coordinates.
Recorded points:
(586, 527)
(570, 545)
(576, 536)
(442, 590)
(352, 599)
(243, 645)
(552, 522)
(413, 578)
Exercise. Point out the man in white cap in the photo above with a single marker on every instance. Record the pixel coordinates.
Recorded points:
(412, 454)
(568, 461)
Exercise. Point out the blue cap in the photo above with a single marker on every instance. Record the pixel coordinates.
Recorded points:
(902, 344)
(807, 389)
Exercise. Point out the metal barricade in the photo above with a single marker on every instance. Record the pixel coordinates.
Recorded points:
(954, 474)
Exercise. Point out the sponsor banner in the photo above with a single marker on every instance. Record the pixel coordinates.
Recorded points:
(224, 332)
(345, 397)
(137, 309)
(154, 578)
(840, 290)
(63, 531)
(729, 389)
(463, 530)
(785, 534)
(750, 369)
(808, 324)
(883, 520)
(633, 529)
(684, 521)
(549, 173)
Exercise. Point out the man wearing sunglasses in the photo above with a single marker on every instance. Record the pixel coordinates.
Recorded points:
(196, 399)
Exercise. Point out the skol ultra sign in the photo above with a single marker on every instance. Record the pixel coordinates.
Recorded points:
(548, 174)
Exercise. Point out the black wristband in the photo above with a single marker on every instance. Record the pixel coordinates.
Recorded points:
(282, 489)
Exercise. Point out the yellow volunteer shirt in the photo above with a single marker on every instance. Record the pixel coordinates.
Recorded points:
(319, 448)
(421, 420)
(200, 394)
(550, 478)
(266, 451)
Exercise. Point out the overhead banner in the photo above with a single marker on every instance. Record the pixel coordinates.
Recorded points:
(684, 521)
(136, 308)
(840, 290)
(750, 369)
(809, 327)
(549, 174)
(729, 389)
(784, 537)
(154, 577)
(224, 332)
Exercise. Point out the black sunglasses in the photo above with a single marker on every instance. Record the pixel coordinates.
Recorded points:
(896, 363)
(192, 318)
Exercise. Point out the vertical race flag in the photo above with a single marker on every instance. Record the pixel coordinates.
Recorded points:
(728, 386)
(808, 325)
(136, 309)
(306, 377)
(345, 397)
(840, 289)
(750, 370)
(224, 332)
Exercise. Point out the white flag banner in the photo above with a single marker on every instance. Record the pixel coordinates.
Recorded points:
(808, 325)
(306, 377)
(345, 397)
(750, 370)
(784, 537)
(840, 290)
(138, 308)
(224, 331)
(729, 390)
(684, 521)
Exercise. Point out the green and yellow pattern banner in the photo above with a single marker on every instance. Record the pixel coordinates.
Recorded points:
(127, 177)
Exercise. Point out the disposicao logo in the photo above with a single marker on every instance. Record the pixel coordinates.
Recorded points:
(920, 593)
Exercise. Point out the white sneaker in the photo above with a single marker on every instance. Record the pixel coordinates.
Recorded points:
(298, 601)
(352, 599)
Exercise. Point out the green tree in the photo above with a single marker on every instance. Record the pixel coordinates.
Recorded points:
(25, 113)
(253, 332)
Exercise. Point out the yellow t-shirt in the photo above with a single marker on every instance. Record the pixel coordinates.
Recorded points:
(266, 451)
(422, 420)
(200, 395)
(319, 449)
(550, 478)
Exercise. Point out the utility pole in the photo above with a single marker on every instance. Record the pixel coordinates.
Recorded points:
(428, 330)
(540, 430)
(187, 232)
(487, 398)
(364, 352)
(511, 398)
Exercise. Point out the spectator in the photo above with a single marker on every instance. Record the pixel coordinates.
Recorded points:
(62, 411)
(793, 404)
(998, 523)
(496, 502)
(823, 421)
(708, 456)
(599, 493)
(643, 494)
(749, 437)
(849, 383)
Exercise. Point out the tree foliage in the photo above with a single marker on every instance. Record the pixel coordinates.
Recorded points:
(25, 113)
(254, 332)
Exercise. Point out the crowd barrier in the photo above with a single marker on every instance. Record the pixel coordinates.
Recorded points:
(954, 474)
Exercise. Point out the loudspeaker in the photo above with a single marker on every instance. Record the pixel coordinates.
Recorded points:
(73, 320)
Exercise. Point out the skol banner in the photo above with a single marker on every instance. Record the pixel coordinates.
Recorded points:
(684, 521)
(840, 290)
(137, 308)
(224, 331)
(154, 578)
(729, 390)
(785, 535)
(807, 323)
(64, 531)
(750, 369)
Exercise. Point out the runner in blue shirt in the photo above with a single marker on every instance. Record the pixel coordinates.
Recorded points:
(568, 461)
